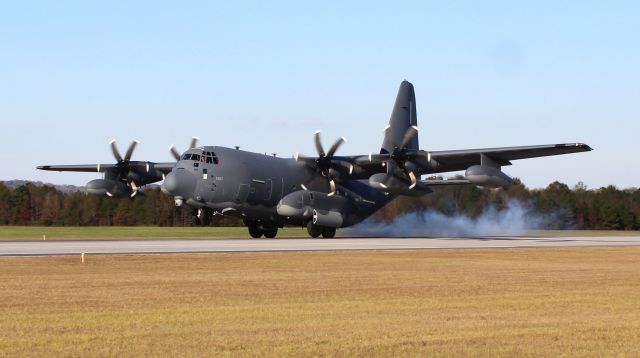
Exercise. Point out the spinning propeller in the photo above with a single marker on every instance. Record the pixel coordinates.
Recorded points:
(124, 165)
(401, 158)
(325, 161)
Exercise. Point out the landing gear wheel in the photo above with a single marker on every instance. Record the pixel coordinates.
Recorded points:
(255, 231)
(314, 231)
(270, 232)
(328, 232)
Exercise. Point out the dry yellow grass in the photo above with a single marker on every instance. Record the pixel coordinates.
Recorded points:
(509, 302)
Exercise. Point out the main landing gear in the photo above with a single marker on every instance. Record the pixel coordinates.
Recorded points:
(257, 230)
(315, 231)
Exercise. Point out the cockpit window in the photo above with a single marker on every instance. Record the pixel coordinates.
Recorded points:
(206, 157)
(209, 158)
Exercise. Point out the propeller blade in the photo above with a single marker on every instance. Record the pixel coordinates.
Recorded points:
(319, 149)
(134, 189)
(414, 180)
(132, 147)
(335, 146)
(194, 142)
(174, 152)
(408, 136)
(114, 150)
(332, 185)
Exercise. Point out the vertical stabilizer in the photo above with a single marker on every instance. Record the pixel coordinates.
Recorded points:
(403, 116)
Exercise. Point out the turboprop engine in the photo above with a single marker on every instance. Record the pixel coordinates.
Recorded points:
(487, 174)
(396, 185)
(323, 209)
(112, 188)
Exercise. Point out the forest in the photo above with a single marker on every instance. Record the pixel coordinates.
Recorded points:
(606, 208)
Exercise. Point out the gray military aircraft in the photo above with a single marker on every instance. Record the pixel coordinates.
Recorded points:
(324, 192)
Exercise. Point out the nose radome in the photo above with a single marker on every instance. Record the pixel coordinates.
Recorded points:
(179, 183)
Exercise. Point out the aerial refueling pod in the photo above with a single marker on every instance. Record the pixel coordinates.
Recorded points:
(487, 174)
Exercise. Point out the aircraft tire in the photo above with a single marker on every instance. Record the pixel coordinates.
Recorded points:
(313, 230)
(328, 232)
(270, 233)
(254, 231)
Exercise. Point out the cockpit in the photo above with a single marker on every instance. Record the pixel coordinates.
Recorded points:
(205, 157)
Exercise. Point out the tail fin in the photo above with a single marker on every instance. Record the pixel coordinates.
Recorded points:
(402, 117)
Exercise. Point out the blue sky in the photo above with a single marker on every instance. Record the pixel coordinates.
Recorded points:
(74, 75)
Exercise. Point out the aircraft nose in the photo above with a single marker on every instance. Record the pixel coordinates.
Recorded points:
(179, 183)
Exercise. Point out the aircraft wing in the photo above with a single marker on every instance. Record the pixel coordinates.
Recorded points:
(453, 160)
(93, 168)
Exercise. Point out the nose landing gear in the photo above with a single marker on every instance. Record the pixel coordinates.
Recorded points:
(201, 217)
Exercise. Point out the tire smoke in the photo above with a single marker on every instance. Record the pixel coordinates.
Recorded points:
(517, 218)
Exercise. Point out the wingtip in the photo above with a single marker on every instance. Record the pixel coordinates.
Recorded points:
(584, 146)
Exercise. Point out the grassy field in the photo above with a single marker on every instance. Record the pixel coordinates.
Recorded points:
(131, 232)
(507, 302)
(154, 232)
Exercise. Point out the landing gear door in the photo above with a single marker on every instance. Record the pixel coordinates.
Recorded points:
(268, 189)
(242, 193)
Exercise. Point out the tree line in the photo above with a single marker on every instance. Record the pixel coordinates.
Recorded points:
(607, 208)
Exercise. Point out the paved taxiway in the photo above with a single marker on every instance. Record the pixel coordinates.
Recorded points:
(15, 248)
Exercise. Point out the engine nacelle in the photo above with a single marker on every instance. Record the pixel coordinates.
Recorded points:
(300, 204)
(327, 218)
(488, 177)
(113, 188)
(296, 205)
(393, 185)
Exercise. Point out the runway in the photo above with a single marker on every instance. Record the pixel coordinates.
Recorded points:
(39, 248)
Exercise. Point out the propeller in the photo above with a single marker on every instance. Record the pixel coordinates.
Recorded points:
(123, 165)
(324, 162)
(401, 157)
(176, 153)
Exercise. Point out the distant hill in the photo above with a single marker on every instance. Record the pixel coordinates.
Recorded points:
(63, 188)
(66, 189)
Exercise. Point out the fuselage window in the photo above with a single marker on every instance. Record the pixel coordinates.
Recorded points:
(186, 156)
(195, 157)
